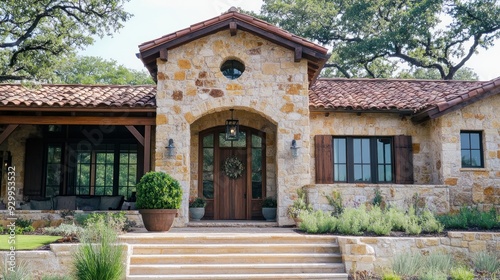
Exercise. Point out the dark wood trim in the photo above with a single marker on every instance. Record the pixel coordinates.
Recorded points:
(136, 134)
(298, 54)
(249, 195)
(80, 109)
(233, 28)
(86, 120)
(147, 148)
(164, 54)
(7, 132)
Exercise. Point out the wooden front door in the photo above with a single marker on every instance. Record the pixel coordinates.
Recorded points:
(232, 191)
(230, 195)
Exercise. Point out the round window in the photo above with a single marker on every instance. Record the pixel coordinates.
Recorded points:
(232, 69)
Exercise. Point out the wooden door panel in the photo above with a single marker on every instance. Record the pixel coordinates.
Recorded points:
(232, 192)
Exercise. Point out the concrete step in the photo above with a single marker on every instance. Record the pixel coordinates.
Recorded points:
(271, 276)
(236, 258)
(224, 238)
(158, 249)
(238, 268)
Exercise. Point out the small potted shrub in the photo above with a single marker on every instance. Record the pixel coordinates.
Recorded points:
(299, 205)
(159, 197)
(197, 208)
(269, 209)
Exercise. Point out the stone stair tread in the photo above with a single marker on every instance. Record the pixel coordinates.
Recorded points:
(309, 276)
(240, 265)
(211, 245)
(283, 255)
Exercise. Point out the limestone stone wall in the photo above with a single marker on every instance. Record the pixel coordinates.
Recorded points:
(273, 87)
(376, 253)
(15, 143)
(377, 124)
(470, 186)
(433, 197)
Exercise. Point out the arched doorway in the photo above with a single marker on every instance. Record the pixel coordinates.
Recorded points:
(232, 173)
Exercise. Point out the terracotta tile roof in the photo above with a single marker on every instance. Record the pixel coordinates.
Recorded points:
(232, 14)
(389, 94)
(77, 96)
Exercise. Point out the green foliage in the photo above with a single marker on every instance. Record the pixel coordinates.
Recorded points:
(397, 218)
(414, 265)
(158, 190)
(411, 225)
(390, 276)
(2, 229)
(429, 223)
(299, 205)
(21, 272)
(66, 230)
(470, 217)
(371, 38)
(56, 277)
(353, 221)
(115, 220)
(197, 203)
(99, 256)
(378, 199)
(486, 262)
(96, 70)
(379, 222)
(335, 200)
(37, 35)
(408, 264)
(23, 223)
(269, 202)
(461, 273)
(317, 222)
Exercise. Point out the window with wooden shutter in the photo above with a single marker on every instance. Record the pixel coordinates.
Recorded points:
(323, 152)
(33, 168)
(404, 159)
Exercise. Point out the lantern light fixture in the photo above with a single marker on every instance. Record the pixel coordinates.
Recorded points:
(294, 149)
(170, 148)
(232, 128)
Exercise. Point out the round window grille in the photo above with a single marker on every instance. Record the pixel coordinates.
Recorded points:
(232, 69)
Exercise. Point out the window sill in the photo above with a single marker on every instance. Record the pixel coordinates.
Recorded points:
(472, 169)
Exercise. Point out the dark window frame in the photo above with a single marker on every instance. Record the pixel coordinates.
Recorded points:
(373, 159)
(470, 149)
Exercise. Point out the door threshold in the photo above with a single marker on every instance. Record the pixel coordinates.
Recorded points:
(232, 223)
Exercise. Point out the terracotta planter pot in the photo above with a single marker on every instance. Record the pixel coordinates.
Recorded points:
(158, 219)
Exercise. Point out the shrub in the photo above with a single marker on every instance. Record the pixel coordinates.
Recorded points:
(65, 230)
(56, 277)
(397, 219)
(390, 276)
(269, 202)
(299, 205)
(461, 273)
(317, 222)
(335, 200)
(20, 273)
(117, 221)
(408, 264)
(379, 223)
(353, 221)
(197, 202)
(439, 263)
(158, 190)
(22, 223)
(486, 262)
(99, 256)
(429, 223)
(411, 225)
(470, 217)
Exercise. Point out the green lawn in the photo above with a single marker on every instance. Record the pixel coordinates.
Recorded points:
(27, 242)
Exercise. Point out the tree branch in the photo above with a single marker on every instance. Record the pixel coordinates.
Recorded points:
(338, 67)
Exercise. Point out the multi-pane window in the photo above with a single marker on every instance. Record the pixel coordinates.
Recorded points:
(363, 159)
(471, 149)
(53, 170)
(127, 177)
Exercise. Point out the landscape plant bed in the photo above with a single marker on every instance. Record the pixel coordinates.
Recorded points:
(28, 242)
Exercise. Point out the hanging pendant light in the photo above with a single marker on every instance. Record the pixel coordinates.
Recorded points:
(232, 128)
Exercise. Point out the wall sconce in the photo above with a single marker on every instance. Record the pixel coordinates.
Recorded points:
(294, 149)
(170, 148)
(232, 128)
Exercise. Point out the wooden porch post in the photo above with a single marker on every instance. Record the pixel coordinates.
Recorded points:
(147, 148)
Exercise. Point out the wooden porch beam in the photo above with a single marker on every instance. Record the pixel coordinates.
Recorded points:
(298, 54)
(164, 54)
(10, 128)
(77, 120)
(233, 28)
(147, 148)
(136, 134)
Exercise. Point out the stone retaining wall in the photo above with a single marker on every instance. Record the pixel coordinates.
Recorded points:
(376, 253)
(433, 197)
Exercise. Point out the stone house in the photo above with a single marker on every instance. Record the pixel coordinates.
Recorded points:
(436, 143)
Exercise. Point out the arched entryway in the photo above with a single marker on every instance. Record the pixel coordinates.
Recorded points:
(232, 173)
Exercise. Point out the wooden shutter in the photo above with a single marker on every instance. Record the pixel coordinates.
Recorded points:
(323, 152)
(33, 167)
(403, 153)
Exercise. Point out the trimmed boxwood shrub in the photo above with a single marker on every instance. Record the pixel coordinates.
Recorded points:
(158, 190)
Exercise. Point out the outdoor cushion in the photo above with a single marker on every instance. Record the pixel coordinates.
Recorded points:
(89, 203)
(111, 202)
(65, 202)
(45, 204)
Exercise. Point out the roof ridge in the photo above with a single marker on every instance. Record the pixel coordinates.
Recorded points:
(75, 85)
(398, 80)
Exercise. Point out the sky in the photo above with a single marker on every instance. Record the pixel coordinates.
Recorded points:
(155, 18)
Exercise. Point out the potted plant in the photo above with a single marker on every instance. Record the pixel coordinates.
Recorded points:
(197, 208)
(269, 209)
(159, 197)
(299, 205)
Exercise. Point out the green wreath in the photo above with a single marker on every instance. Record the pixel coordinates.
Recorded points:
(233, 167)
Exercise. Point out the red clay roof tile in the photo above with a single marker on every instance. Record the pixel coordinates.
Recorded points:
(86, 96)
